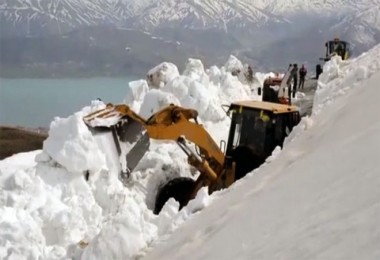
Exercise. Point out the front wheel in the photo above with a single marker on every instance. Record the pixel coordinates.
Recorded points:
(180, 189)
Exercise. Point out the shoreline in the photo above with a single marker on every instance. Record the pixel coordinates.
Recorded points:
(36, 130)
(17, 139)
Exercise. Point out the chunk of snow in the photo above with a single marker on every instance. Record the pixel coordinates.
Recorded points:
(136, 91)
(130, 230)
(155, 100)
(161, 74)
(190, 93)
(195, 70)
(233, 65)
(72, 145)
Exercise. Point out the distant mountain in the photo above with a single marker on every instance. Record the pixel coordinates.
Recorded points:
(363, 27)
(200, 14)
(57, 16)
(266, 33)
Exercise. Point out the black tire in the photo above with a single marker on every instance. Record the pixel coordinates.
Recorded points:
(246, 161)
(179, 189)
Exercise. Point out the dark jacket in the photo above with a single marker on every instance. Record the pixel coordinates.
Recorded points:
(294, 72)
(303, 72)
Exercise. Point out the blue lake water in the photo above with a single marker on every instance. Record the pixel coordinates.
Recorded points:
(35, 102)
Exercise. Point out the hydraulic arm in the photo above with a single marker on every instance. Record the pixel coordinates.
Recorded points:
(171, 123)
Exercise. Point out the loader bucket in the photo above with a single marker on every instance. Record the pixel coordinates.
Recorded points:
(124, 130)
(129, 130)
(134, 133)
(137, 152)
(103, 118)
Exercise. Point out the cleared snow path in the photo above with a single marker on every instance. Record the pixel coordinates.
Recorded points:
(306, 104)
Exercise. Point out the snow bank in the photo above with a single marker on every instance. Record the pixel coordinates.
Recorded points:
(214, 74)
(72, 145)
(195, 70)
(136, 92)
(318, 200)
(161, 74)
(202, 90)
(124, 235)
(339, 76)
(68, 200)
(337, 79)
(156, 99)
(20, 236)
(233, 65)
(57, 206)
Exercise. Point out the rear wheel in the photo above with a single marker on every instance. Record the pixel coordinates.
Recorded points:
(246, 161)
(179, 189)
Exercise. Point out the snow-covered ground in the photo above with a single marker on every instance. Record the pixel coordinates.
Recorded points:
(318, 198)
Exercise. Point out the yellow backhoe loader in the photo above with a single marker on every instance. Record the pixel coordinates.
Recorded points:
(334, 47)
(256, 129)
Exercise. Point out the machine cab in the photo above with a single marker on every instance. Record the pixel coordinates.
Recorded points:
(338, 47)
(256, 129)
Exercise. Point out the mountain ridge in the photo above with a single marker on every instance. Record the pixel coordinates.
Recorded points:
(251, 29)
(150, 14)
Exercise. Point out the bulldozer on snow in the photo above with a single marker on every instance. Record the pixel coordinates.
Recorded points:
(256, 129)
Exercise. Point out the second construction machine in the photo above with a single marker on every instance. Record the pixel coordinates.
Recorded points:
(334, 47)
(277, 89)
(256, 129)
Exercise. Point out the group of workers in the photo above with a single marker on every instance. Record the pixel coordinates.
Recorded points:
(296, 74)
(295, 80)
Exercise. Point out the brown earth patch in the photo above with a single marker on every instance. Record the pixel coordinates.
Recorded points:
(15, 140)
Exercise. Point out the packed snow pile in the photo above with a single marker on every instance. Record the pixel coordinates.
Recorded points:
(67, 201)
(195, 89)
(162, 74)
(341, 76)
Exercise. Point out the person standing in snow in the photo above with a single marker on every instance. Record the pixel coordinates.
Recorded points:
(250, 74)
(318, 71)
(294, 76)
(302, 74)
(289, 83)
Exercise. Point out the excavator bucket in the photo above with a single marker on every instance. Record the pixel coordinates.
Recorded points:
(137, 152)
(125, 130)
(133, 132)
(105, 117)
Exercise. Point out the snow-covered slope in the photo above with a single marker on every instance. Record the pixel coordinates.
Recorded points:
(206, 14)
(319, 199)
(148, 14)
(60, 16)
(143, 14)
(70, 12)
(362, 26)
(316, 6)
(249, 29)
